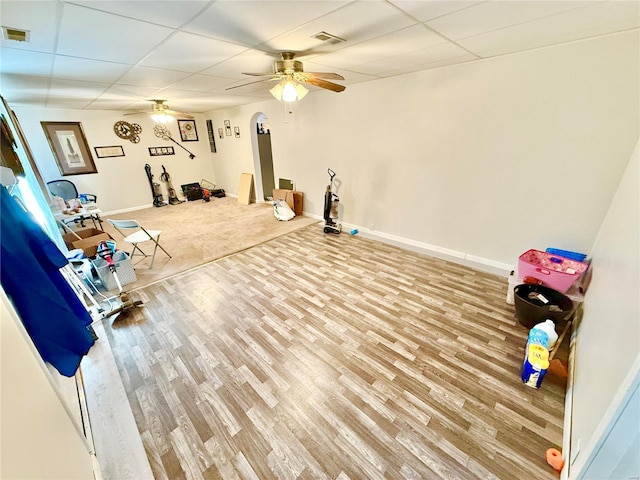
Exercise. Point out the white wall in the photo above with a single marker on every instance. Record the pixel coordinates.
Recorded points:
(121, 182)
(38, 438)
(608, 339)
(488, 158)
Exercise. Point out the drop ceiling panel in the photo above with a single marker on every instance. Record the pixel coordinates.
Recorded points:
(169, 13)
(254, 61)
(493, 15)
(392, 45)
(77, 89)
(201, 83)
(25, 63)
(128, 93)
(253, 22)
(102, 36)
(151, 77)
(423, 10)
(439, 55)
(593, 20)
(187, 52)
(42, 26)
(87, 70)
(356, 22)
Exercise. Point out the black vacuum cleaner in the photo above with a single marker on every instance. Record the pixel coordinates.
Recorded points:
(331, 202)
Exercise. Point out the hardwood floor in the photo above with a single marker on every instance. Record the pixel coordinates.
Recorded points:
(334, 356)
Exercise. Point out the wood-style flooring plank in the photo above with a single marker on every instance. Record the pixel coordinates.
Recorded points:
(334, 357)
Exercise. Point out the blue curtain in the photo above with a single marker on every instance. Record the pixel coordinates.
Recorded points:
(51, 312)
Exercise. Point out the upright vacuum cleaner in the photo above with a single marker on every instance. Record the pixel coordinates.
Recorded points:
(173, 198)
(331, 202)
(106, 249)
(158, 199)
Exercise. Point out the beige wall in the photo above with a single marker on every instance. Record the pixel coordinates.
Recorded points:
(121, 182)
(485, 159)
(608, 340)
(38, 439)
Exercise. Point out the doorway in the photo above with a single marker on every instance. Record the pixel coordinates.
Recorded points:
(263, 157)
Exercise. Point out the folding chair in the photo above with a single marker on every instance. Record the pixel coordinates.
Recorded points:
(141, 235)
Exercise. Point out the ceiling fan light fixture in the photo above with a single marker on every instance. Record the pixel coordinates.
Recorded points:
(289, 93)
(288, 90)
(161, 117)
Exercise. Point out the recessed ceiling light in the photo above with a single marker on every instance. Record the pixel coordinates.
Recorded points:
(16, 34)
(324, 36)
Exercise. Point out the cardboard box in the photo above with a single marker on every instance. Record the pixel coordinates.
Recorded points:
(88, 241)
(293, 198)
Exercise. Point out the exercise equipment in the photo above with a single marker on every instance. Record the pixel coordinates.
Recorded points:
(106, 249)
(331, 203)
(158, 198)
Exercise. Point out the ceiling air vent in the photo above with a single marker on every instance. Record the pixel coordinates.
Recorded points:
(324, 36)
(15, 34)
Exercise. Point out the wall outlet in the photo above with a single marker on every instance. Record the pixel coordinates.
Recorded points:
(372, 226)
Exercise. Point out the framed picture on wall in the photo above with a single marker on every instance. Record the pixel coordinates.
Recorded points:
(220, 133)
(69, 147)
(188, 131)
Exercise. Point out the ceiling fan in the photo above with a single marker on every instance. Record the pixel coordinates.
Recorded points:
(161, 113)
(290, 76)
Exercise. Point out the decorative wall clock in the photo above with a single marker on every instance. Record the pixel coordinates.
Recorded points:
(128, 131)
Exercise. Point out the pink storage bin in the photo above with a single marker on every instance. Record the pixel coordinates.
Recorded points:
(553, 271)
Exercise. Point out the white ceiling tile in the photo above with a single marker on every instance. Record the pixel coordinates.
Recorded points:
(254, 61)
(22, 84)
(90, 34)
(87, 70)
(151, 77)
(190, 53)
(201, 83)
(392, 45)
(426, 10)
(415, 61)
(25, 62)
(42, 27)
(169, 13)
(497, 14)
(62, 88)
(356, 22)
(128, 93)
(251, 23)
(592, 20)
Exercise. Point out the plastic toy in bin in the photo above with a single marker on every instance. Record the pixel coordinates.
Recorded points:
(552, 270)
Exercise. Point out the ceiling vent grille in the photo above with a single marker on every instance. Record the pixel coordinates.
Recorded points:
(15, 34)
(324, 36)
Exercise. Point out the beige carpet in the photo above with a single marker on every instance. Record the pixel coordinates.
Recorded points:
(197, 232)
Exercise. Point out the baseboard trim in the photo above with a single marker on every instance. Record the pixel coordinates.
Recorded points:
(479, 263)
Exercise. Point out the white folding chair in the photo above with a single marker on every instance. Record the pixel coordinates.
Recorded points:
(141, 235)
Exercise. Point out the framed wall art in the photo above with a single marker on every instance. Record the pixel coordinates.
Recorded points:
(237, 131)
(220, 133)
(69, 147)
(106, 152)
(156, 151)
(188, 132)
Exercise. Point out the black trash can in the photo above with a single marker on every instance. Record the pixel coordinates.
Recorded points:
(535, 303)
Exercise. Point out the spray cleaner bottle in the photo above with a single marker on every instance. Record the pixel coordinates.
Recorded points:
(542, 339)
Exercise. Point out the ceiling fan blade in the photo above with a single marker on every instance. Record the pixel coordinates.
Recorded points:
(334, 87)
(135, 113)
(251, 83)
(258, 74)
(326, 75)
(179, 114)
